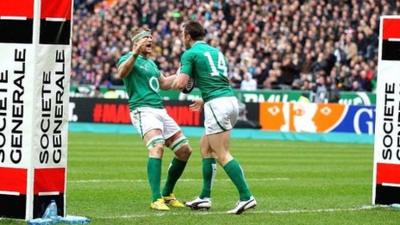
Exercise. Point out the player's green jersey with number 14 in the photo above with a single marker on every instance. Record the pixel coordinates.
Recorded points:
(142, 83)
(207, 65)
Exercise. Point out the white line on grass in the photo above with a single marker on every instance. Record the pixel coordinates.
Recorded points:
(183, 180)
(307, 145)
(290, 211)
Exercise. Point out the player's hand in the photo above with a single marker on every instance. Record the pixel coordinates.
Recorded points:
(197, 105)
(138, 47)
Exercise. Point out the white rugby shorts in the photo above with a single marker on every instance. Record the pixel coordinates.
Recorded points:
(147, 118)
(220, 114)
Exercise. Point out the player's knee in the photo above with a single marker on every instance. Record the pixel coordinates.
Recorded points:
(156, 151)
(223, 158)
(156, 146)
(206, 152)
(184, 152)
(178, 143)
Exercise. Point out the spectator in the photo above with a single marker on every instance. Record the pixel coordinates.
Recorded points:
(248, 83)
(320, 90)
(275, 41)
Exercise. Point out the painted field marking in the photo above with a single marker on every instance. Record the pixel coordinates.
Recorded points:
(182, 180)
(290, 211)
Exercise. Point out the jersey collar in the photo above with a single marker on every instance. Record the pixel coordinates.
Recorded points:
(198, 42)
(143, 57)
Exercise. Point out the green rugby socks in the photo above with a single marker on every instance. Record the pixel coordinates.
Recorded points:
(174, 172)
(154, 176)
(235, 172)
(209, 171)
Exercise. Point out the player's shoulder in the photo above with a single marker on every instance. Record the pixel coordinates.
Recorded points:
(199, 49)
(124, 57)
(208, 48)
(188, 53)
(195, 50)
(153, 63)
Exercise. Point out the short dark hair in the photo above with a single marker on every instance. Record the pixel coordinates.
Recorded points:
(195, 30)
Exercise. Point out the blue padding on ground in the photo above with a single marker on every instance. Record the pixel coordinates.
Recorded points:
(237, 133)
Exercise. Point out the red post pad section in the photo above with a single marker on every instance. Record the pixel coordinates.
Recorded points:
(56, 9)
(388, 173)
(13, 180)
(49, 180)
(17, 8)
(391, 28)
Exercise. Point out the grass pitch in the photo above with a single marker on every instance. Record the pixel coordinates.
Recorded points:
(293, 182)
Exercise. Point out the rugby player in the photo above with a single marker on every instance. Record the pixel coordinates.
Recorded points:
(142, 81)
(208, 67)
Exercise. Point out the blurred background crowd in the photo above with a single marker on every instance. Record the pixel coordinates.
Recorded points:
(270, 44)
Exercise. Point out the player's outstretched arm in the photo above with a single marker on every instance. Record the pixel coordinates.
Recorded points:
(166, 82)
(125, 68)
(180, 82)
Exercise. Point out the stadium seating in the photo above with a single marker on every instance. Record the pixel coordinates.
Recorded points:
(325, 46)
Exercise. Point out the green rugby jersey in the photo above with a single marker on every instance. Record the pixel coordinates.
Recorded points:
(142, 84)
(208, 66)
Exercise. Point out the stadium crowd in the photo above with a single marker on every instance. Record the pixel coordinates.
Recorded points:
(329, 45)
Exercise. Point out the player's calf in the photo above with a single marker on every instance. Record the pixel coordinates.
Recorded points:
(183, 153)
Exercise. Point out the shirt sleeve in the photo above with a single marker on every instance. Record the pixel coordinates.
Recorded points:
(123, 59)
(187, 63)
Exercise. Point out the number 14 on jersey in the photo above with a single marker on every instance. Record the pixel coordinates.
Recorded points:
(220, 63)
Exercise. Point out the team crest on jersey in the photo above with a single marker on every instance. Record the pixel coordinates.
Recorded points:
(154, 84)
